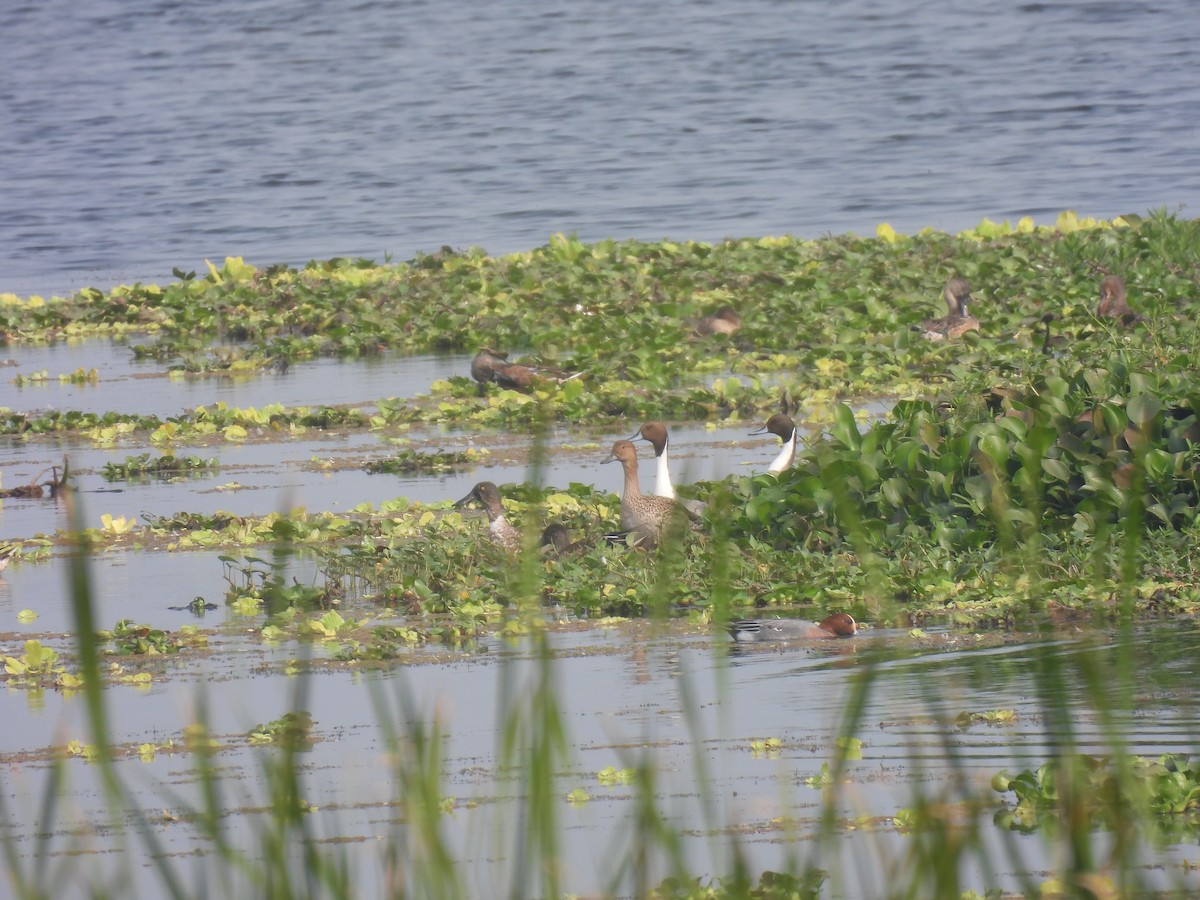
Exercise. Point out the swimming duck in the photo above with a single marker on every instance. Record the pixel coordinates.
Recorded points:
(783, 426)
(1114, 303)
(556, 541)
(958, 321)
(838, 625)
(646, 515)
(724, 321)
(501, 530)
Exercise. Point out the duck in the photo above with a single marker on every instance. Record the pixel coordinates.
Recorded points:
(782, 425)
(486, 363)
(656, 433)
(725, 320)
(1114, 302)
(958, 321)
(838, 625)
(6, 554)
(502, 531)
(556, 541)
(644, 516)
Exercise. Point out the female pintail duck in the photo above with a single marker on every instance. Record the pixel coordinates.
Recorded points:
(646, 515)
(556, 541)
(838, 625)
(724, 321)
(783, 426)
(501, 530)
(1114, 303)
(958, 321)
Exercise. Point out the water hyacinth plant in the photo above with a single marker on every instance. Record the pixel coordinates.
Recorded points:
(1040, 473)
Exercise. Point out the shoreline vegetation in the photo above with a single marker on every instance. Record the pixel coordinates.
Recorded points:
(1041, 472)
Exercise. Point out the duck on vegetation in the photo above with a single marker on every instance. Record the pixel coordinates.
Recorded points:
(645, 516)
(838, 625)
(501, 530)
(656, 433)
(556, 541)
(493, 366)
(958, 321)
(725, 320)
(1114, 302)
(782, 425)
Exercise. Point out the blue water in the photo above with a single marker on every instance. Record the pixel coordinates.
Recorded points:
(141, 136)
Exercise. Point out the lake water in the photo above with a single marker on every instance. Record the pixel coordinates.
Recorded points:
(138, 137)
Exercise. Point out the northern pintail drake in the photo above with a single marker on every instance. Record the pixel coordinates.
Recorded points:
(783, 426)
(1114, 302)
(958, 321)
(644, 515)
(556, 541)
(724, 321)
(501, 530)
(656, 433)
(838, 625)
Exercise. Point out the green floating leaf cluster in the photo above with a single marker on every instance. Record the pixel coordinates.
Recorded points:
(1165, 790)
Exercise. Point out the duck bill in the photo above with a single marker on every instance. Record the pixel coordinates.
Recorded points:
(612, 457)
(464, 501)
(636, 436)
(762, 430)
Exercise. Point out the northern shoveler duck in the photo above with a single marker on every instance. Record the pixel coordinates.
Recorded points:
(501, 530)
(783, 426)
(724, 321)
(645, 515)
(1114, 302)
(838, 625)
(486, 363)
(958, 321)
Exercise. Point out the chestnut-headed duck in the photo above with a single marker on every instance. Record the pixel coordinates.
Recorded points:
(501, 530)
(783, 426)
(958, 321)
(838, 625)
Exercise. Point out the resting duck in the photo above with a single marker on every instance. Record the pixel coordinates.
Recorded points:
(501, 530)
(644, 515)
(783, 426)
(958, 321)
(838, 625)
(724, 321)
(1114, 303)
(556, 541)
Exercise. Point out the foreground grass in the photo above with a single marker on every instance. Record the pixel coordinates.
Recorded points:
(1018, 481)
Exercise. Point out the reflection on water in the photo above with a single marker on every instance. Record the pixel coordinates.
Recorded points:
(670, 696)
